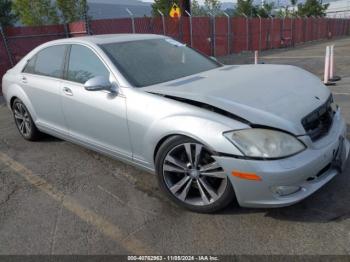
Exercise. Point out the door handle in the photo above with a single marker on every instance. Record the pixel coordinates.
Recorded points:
(24, 79)
(67, 91)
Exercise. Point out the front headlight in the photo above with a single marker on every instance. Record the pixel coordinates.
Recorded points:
(265, 143)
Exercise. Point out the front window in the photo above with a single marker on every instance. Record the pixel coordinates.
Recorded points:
(84, 64)
(149, 62)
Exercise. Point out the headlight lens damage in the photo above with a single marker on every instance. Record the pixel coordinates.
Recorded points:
(265, 143)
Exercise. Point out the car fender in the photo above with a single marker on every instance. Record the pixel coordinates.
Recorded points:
(14, 90)
(205, 131)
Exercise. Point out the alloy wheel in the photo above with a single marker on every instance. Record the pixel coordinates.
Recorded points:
(22, 119)
(192, 175)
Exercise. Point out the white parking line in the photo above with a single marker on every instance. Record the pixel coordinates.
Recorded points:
(131, 243)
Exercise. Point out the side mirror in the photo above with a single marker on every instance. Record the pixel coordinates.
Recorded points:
(98, 83)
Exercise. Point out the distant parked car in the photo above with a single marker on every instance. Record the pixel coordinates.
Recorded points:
(267, 135)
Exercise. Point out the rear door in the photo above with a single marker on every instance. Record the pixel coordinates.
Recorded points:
(95, 118)
(41, 79)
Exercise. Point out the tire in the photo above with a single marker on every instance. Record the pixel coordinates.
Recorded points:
(24, 121)
(190, 177)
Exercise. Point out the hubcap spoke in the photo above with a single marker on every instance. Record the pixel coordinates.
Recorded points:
(176, 162)
(27, 126)
(175, 188)
(208, 188)
(184, 193)
(197, 155)
(170, 168)
(18, 115)
(203, 195)
(219, 174)
(21, 127)
(21, 108)
(189, 152)
(210, 167)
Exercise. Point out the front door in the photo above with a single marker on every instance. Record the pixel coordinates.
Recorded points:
(95, 118)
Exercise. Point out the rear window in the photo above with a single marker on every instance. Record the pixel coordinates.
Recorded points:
(47, 62)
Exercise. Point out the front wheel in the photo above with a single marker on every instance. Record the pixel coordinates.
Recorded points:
(191, 177)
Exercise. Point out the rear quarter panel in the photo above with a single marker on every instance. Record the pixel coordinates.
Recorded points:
(12, 89)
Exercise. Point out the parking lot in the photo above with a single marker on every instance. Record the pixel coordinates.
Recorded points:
(59, 198)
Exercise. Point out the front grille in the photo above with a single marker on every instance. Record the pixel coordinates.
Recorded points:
(319, 121)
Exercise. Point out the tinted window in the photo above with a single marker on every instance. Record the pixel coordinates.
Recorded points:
(149, 62)
(84, 64)
(30, 66)
(49, 62)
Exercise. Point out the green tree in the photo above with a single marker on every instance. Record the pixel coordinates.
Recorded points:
(265, 10)
(294, 10)
(312, 8)
(197, 9)
(213, 6)
(163, 5)
(7, 17)
(72, 10)
(245, 7)
(39, 12)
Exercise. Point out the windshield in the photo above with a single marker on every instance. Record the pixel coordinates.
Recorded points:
(149, 62)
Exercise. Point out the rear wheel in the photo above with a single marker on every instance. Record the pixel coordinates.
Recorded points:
(24, 121)
(191, 177)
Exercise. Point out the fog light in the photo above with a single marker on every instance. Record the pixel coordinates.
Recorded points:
(285, 190)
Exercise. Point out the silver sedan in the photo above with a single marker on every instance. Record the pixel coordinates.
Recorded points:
(265, 135)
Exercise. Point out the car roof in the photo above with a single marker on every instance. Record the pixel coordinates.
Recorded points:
(109, 38)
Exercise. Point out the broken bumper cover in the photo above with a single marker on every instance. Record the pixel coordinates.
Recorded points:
(288, 181)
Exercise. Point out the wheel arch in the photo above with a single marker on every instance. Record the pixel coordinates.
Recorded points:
(17, 92)
(168, 136)
(205, 131)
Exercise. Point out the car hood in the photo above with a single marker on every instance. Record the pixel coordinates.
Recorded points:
(278, 96)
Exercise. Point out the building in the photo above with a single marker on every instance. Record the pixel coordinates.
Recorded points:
(339, 9)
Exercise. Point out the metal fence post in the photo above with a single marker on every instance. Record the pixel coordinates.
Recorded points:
(191, 27)
(132, 20)
(313, 28)
(66, 30)
(87, 22)
(228, 33)
(318, 27)
(260, 28)
(272, 33)
(291, 31)
(282, 29)
(213, 33)
(163, 21)
(247, 30)
(8, 51)
(298, 28)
